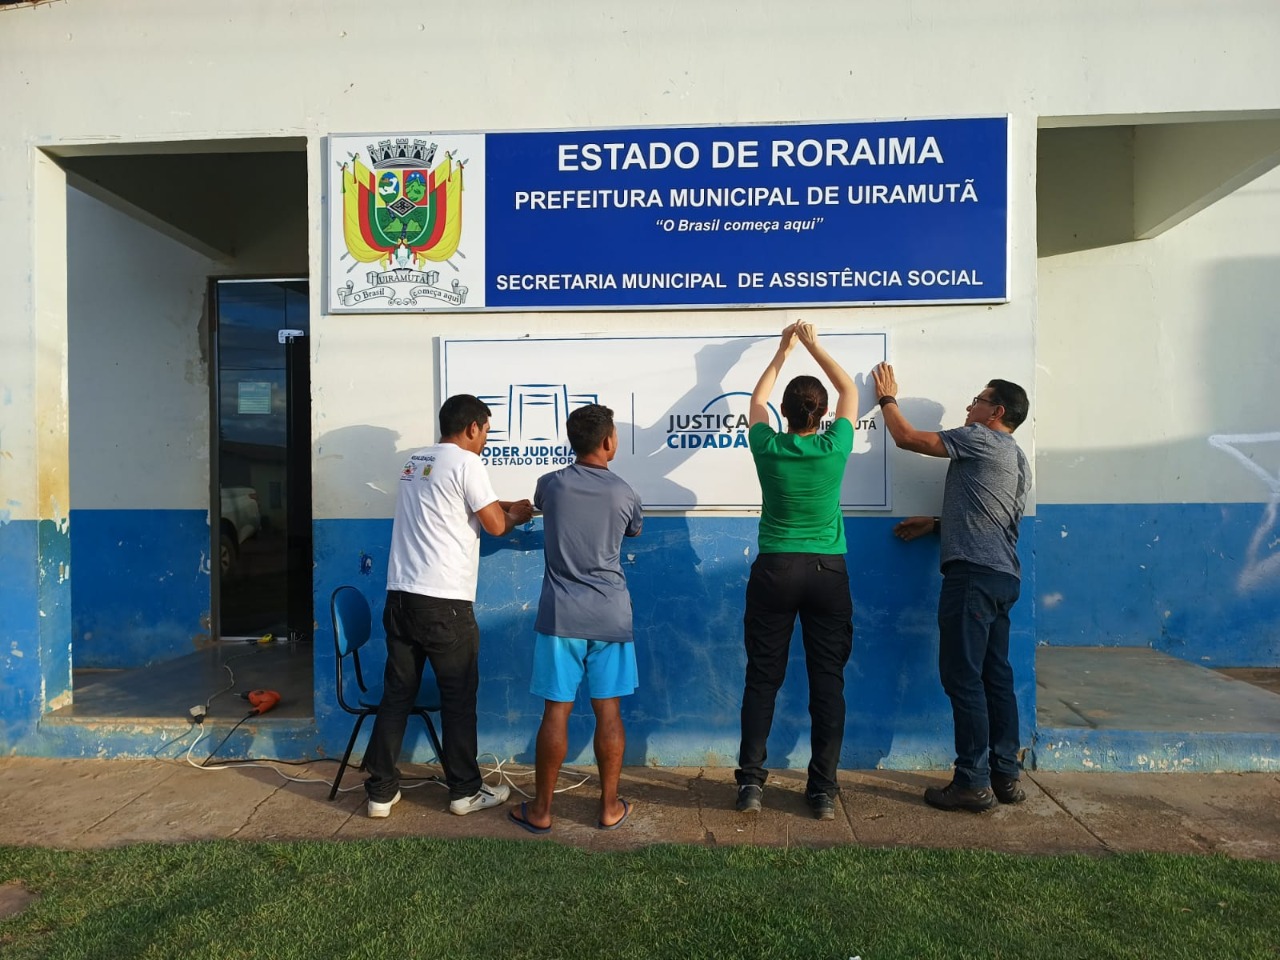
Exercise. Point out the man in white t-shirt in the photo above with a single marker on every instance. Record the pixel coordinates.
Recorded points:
(444, 501)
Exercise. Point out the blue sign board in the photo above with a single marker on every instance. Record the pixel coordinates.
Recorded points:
(903, 211)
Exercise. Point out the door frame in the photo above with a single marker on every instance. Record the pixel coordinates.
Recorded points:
(293, 457)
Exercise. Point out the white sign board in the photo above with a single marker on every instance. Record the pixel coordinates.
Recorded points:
(680, 404)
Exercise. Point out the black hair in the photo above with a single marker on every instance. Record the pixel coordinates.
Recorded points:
(461, 411)
(588, 427)
(804, 404)
(1014, 400)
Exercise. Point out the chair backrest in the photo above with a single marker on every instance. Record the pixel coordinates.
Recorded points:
(352, 621)
(352, 626)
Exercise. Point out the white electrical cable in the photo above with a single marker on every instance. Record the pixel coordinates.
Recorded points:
(499, 767)
(503, 775)
(193, 746)
(230, 673)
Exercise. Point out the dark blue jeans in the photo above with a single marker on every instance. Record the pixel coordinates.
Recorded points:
(782, 586)
(973, 662)
(445, 632)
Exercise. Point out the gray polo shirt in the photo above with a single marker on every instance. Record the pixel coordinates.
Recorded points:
(984, 498)
(586, 513)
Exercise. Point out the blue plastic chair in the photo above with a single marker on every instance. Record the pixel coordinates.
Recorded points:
(352, 627)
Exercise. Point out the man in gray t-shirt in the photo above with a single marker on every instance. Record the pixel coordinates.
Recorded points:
(982, 505)
(583, 627)
(984, 496)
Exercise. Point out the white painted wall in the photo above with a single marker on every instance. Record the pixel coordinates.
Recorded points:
(1147, 349)
(146, 70)
(371, 408)
(137, 369)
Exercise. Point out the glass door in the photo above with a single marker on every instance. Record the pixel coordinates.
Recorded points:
(262, 465)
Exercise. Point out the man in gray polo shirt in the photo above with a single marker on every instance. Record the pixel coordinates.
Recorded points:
(982, 506)
(583, 628)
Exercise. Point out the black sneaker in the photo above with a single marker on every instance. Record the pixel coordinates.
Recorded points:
(749, 795)
(823, 806)
(955, 797)
(1007, 789)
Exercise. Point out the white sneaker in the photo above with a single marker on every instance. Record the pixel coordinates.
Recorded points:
(483, 798)
(379, 810)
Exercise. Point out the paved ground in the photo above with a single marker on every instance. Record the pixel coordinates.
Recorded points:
(100, 803)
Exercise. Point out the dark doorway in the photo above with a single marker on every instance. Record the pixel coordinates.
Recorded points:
(261, 469)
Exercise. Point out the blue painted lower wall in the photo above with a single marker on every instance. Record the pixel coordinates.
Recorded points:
(687, 579)
(20, 667)
(141, 585)
(35, 642)
(1198, 581)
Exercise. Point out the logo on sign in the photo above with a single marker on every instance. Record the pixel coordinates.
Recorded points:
(404, 215)
(527, 424)
(721, 424)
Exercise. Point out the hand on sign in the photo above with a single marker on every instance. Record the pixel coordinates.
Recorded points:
(788, 339)
(886, 382)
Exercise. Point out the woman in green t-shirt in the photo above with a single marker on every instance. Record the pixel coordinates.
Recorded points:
(800, 569)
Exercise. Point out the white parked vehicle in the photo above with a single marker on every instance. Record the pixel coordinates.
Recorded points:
(241, 519)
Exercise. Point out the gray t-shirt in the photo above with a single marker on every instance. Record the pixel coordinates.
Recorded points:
(985, 495)
(586, 513)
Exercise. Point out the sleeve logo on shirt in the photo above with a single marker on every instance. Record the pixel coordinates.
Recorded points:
(411, 467)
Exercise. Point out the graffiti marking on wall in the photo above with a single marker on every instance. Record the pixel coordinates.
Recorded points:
(1262, 560)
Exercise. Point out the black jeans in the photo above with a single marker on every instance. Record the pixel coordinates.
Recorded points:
(816, 587)
(445, 632)
(973, 663)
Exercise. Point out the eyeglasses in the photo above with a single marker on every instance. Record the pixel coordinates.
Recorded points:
(994, 403)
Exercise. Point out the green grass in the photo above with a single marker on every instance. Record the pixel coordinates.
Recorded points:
(504, 900)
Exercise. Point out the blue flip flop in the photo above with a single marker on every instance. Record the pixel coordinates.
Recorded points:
(626, 812)
(523, 820)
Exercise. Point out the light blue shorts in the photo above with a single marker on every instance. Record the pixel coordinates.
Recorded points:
(559, 664)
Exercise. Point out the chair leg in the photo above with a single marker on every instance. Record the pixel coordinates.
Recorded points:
(347, 756)
(435, 740)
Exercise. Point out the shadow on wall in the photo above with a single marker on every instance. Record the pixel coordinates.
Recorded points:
(1244, 302)
(687, 578)
(357, 465)
(1199, 581)
(895, 700)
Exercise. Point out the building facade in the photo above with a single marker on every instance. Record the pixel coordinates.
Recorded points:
(161, 162)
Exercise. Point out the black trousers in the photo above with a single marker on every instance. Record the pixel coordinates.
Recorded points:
(814, 587)
(445, 632)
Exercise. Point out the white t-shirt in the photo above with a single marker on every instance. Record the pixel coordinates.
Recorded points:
(435, 540)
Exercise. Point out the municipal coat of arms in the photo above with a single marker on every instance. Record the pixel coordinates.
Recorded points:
(402, 212)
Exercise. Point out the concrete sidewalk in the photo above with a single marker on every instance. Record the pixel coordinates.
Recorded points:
(102, 803)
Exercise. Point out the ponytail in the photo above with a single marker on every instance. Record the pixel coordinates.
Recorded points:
(804, 404)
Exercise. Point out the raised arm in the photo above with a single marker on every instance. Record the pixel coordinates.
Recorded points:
(759, 410)
(904, 434)
(846, 389)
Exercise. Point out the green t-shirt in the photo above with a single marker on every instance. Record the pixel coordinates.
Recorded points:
(800, 480)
